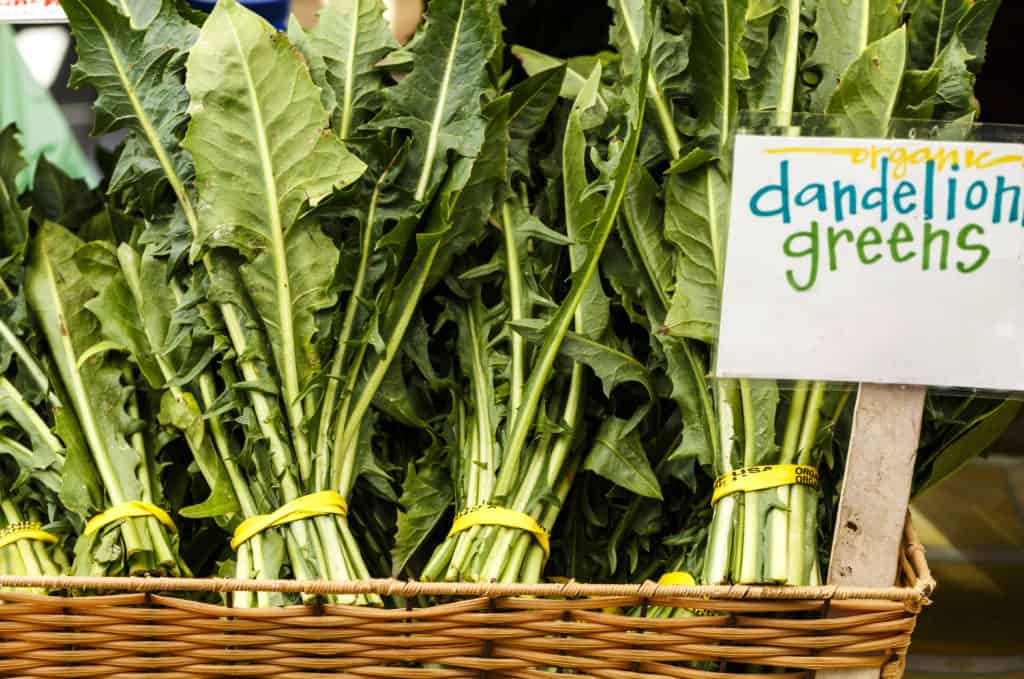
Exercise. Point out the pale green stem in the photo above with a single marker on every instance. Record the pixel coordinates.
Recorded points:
(719, 558)
(28, 418)
(750, 558)
(24, 547)
(323, 450)
(801, 511)
(516, 312)
(27, 361)
(351, 430)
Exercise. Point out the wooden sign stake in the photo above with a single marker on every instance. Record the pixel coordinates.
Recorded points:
(876, 492)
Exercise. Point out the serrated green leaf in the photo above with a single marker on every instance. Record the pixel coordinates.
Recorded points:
(931, 25)
(974, 28)
(582, 208)
(439, 101)
(577, 70)
(634, 26)
(183, 413)
(95, 388)
(696, 213)
(643, 236)
(349, 39)
(138, 75)
(426, 496)
(612, 367)
(717, 34)
(973, 440)
(618, 455)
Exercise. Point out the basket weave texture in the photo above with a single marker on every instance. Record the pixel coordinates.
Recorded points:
(477, 630)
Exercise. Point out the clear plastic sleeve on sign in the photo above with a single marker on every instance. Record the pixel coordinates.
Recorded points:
(859, 254)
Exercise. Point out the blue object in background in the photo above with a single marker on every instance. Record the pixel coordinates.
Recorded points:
(274, 11)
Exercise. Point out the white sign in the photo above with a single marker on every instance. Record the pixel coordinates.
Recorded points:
(890, 261)
(31, 12)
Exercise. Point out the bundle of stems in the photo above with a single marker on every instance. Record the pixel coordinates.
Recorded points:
(516, 433)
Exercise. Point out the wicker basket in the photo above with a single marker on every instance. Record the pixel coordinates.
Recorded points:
(486, 630)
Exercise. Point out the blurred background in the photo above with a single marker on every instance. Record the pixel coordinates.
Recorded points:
(973, 524)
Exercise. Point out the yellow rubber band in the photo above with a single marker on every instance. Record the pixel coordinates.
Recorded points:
(762, 477)
(489, 515)
(680, 578)
(26, 531)
(132, 509)
(306, 507)
(684, 579)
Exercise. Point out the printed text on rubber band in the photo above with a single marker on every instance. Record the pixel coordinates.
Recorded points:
(25, 531)
(762, 477)
(489, 515)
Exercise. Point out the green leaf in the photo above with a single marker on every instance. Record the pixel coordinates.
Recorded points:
(81, 487)
(973, 30)
(58, 294)
(865, 99)
(931, 25)
(974, 440)
(426, 496)
(618, 455)
(183, 413)
(612, 367)
(440, 100)
(119, 315)
(634, 26)
(844, 29)
(642, 235)
(138, 78)
(531, 104)
(764, 404)
(253, 193)
(475, 199)
(60, 198)
(690, 391)
(13, 218)
(717, 35)
(349, 39)
(582, 208)
(696, 214)
(577, 69)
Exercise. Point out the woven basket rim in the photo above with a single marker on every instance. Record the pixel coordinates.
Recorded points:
(412, 588)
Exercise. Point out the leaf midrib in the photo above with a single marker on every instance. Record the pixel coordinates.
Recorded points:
(278, 252)
(435, 125)
(177, 185)
(346, 105)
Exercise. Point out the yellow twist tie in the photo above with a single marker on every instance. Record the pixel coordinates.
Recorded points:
(684, 579)
(764, 476)
(25, 531)
(490, 515)
(305, 507)
(133, 509)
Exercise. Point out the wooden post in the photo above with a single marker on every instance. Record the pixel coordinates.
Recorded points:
(876, 492)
